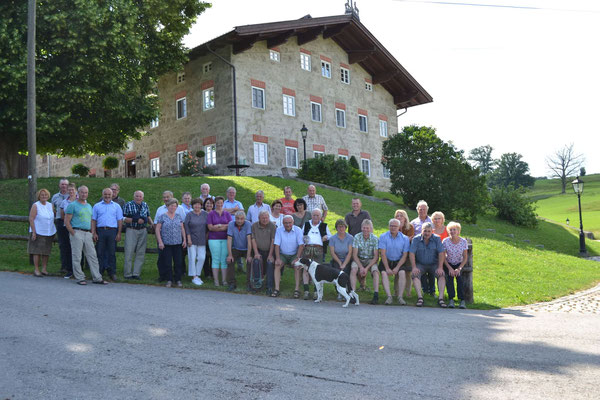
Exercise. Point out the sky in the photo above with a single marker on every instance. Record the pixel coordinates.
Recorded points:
(520, 75)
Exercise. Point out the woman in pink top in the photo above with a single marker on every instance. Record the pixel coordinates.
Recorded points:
(456, 258)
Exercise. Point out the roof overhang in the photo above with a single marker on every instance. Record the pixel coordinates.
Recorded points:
(347, 31)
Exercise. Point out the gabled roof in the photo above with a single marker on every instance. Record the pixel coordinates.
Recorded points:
(347, 31)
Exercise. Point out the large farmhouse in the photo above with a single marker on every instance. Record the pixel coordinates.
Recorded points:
(244, 97)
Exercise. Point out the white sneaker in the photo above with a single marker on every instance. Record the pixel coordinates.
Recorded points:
(401, 301)
(197, 281)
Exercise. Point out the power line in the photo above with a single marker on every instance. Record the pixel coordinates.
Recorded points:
(448, 3)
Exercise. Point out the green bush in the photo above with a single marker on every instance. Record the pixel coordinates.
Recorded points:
(80, 169)
(354, 162)
(335, 172)
(512, 205)
(110, 163)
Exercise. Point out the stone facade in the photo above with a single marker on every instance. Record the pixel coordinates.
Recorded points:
(259, 128)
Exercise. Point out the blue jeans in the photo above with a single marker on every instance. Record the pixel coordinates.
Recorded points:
(106, 249)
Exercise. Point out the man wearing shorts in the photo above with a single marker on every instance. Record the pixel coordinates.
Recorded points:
(289, 245)
(427, 256)
(365, 256)
(393, 246)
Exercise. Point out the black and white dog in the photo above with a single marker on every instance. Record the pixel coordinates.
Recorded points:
(321, 273)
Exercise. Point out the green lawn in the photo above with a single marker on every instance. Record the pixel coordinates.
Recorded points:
(558, 207)
(508, 270)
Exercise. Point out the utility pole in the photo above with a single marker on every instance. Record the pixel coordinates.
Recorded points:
(31, 128)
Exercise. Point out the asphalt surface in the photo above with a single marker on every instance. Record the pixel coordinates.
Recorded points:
(59, 340)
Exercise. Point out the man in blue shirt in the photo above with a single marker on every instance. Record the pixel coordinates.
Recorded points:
(289, 245)
(239, 245)
(231, 205)
(393, 246)
(427, 256)
(257, 207)
(107, 221)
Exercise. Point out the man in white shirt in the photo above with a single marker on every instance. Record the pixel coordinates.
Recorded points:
(289, 245)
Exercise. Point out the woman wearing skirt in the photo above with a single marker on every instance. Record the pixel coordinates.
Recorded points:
(41, 232)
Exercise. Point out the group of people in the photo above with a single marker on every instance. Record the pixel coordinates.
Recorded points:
(217, 234)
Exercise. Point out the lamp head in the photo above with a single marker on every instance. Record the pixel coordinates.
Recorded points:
(304, 131)
(577, 186)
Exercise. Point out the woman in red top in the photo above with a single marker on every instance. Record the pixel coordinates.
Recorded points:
(439, 228)
(287, 202)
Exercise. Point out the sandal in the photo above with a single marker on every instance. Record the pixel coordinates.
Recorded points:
(102, 282)
(275, 293)
(296, 294)
(419, 302)
(82, 283)
(442, 304)
(44, 273)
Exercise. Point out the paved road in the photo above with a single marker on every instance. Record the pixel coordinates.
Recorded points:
(59, 340)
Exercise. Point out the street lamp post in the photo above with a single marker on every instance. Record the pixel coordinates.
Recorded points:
(304, 132)
(578, 189)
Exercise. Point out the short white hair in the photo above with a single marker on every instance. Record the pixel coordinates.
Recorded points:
(287, 217)
(422, 203)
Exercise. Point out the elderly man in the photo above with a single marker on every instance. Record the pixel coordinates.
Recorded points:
(427, 256)
(231, 205)
(137, 219)
(393, 246)
(315, 201)
(263, 236)
(205, 192)
(61, 230)
(427, 280)
(289, 245)
(78, 220)
(355, 217)
(186, 202)
(365, 257)
(239, 245)
(287, 201)
(107, 222)
(257, 207)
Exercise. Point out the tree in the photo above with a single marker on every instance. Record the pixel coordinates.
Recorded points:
(97, 64)
(563, 164)
(511, 170)
(582, 171)
(423, 166)
(482, 158)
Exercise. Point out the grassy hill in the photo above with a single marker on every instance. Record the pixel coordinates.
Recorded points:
(510, 268)
(558, 207)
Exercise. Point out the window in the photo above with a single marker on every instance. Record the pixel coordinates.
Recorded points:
(180, 77)
(362, 123)
(274, 55)
(345, 75)
(305, 61)
(210, 154)
(180, 155)
(154, 123)
(208, 99)
(317, 154)
(315, 111)
(289, 105)
(325, 69)
(383, 128)
(181, 108)
(366, 166)
(258, 98)
(206, 68)
(291, 157)
(343, 157)
(368, 86)
(154, 167)
(260, 153)
(386, 172)
(340, 118)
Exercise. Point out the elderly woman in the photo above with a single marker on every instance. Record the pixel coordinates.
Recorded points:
(276, 217)
(439, 229)
(41, 231)
(340, 247)
(195, 228)
(208, 206)
(170, 234)
(456, 257)
(301, 216)
(218, 221)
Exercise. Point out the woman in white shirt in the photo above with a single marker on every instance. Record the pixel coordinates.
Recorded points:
(276, 216)
(41, 231)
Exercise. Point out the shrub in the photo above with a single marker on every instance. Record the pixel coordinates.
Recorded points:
(80, 169)
(512, 206)
(354, 162)
(189, 165)
(582, 171)
(110, 162)
(335, 172)
(200, 154)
